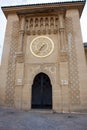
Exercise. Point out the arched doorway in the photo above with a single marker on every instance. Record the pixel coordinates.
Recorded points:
(41, 92)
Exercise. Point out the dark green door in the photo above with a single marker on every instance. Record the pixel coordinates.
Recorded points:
(42, 92)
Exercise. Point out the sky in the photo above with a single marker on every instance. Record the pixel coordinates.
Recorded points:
(83, 19)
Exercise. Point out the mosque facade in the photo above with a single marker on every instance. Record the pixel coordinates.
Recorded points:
(44, 63)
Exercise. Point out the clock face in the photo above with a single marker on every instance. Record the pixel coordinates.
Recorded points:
(41, 46)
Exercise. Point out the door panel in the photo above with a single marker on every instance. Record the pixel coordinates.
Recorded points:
(42, 92)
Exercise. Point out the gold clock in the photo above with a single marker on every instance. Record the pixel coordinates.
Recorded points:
(41, 46)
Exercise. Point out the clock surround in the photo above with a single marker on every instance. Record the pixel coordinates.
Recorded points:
(41, 46)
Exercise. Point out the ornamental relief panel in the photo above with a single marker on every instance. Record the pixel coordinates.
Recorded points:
(41, 25)
(34, 69)
(72, 62)
(10, 84)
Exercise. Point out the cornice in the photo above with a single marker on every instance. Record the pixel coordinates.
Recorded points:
(46, 7)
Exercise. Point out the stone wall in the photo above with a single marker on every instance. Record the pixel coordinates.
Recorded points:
(65, 66)
(8, 60)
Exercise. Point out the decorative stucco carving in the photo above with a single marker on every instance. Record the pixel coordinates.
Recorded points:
(72, 61)
(41, 25)
(49, 69)
(10, 85)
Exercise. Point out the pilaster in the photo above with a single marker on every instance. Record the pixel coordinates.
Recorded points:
(77, 68)
(19, 74)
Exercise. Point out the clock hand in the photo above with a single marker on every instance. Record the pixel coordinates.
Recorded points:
(40, 48)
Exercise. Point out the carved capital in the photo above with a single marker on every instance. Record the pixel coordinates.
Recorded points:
(19, 57)
(63, 56)
(21, 32)
(62, 12)
(61, 29)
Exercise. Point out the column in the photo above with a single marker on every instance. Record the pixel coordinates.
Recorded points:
(63, 66)
(19, 74)
(61, 30)
(21, 35)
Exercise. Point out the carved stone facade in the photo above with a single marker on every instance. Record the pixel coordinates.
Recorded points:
(72, 60)
(63, 65)
(41, 25)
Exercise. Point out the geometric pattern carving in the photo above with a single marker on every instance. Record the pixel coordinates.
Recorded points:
(41, 25)
(72, 61)
(10, 85)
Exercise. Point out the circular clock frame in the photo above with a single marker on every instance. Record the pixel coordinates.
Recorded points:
(41, 46)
